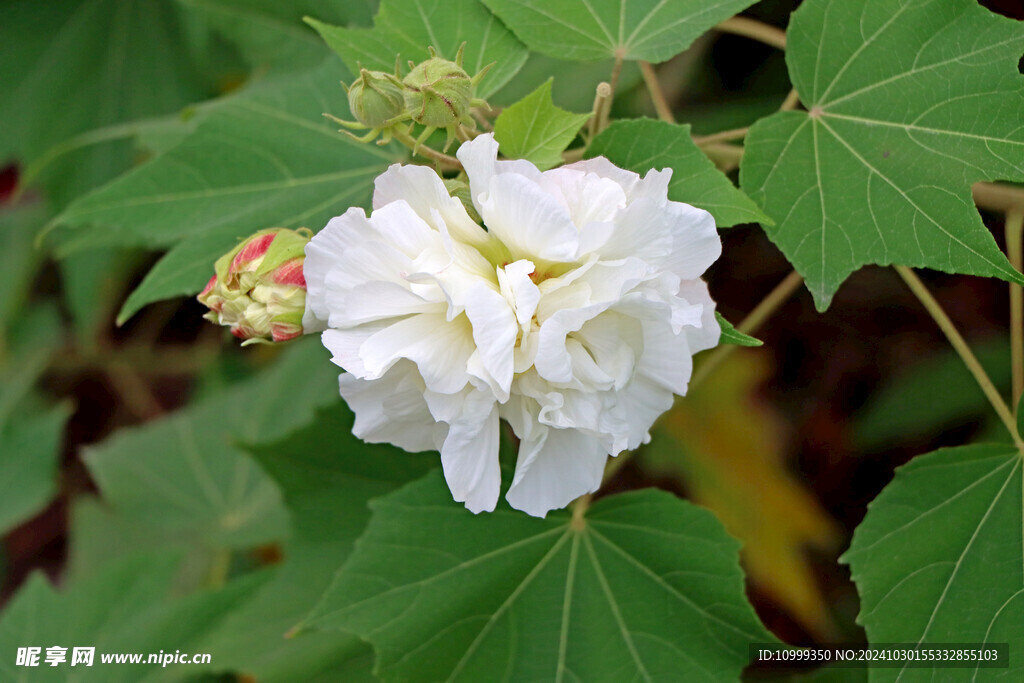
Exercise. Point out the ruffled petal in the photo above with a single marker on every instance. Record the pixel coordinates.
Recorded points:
(392, 410)
(529, 221)
(469, 455)
(495, 329)
(555, 469)
(439, 348)
(426, 194)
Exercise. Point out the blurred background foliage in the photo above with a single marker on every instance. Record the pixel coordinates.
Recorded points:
(139, 469)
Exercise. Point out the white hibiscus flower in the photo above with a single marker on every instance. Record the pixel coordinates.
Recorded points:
(573, 315)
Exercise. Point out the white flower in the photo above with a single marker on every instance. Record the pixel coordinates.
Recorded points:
(574, 316)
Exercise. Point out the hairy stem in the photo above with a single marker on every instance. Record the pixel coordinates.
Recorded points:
(448, 163)
(961, 347)
(657, 94)
(602, 103)
(749, 325)
(751, 28)
(1015, 252)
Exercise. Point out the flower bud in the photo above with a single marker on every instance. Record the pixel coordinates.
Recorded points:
(376, 99)
(439, 92)
(258, 289)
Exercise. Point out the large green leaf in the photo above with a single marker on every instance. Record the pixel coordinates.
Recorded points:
(588, 30)
(905, 112)
(127, 608)
(327, 476)
(535, 129)
(939, 556)
(186, 473)
(270, 33)
(265, 158)
(71, 67)
(409, 27)
(643, 144)
(644, 587)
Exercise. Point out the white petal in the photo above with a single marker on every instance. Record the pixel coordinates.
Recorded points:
(529, 221)
(392, 410)
(601, 167)
(695, 241)
(635, 410)
(494, 330)
(345, 345)
(479, 157)
(667, 357)
(469, 455)
(643, 231)
(379, 300)
(554, 470)
(707, 335)
(587, 197)
(424, 191)
(518, 288)
(439, 348)
(323, 252)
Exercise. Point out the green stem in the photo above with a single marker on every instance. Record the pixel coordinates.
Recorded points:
(449, 163)
(1015, 252)
(657, 94)
(791, 101)
(961, 347)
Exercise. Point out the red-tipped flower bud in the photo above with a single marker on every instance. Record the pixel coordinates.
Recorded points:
(258, 289)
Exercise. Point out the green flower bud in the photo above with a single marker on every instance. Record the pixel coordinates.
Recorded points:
(376, 99)
(439, 92)
(258, 289)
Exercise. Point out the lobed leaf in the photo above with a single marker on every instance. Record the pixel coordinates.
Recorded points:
(262, 159)
(909, 103)
(588, 30)
(643, 587)
(938, 558)
(535, 129)
(187, 472)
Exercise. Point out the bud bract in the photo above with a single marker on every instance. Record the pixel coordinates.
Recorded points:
(376, 99)
(258, 289)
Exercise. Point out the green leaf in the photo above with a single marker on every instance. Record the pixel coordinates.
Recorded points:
(575, 83)
(536, 130)
(730, 335)
(327, 476)
(128, 607)
(262, 159)
(187, 473)
(270, 33)
(645, 586)
(408, 27)
(588, 30)
(934, 394)
(77, 66)
(904, 114)
(642, 144)
(938, 556)
(94, 281)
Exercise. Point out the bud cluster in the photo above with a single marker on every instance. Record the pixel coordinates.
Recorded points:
(436, 94)
(258, 289)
